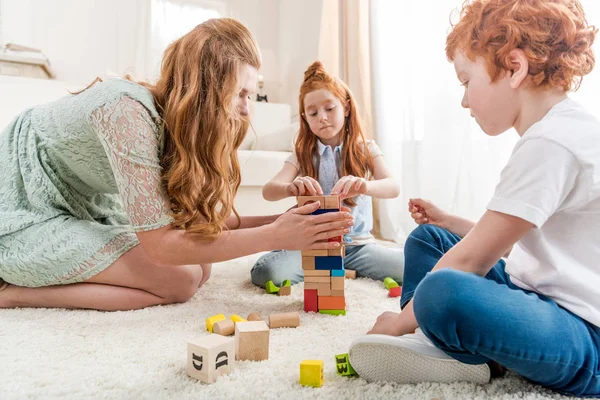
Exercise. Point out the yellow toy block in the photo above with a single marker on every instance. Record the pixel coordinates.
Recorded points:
(210, 321)
(311, 373)
(236, 318)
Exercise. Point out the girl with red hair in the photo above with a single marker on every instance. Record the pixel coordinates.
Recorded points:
(536, 313)
(332, 156)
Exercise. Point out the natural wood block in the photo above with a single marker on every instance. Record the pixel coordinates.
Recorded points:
(252, 341)
(285, 291)
(337, 283)
(317, 272)
(313, 253)
(324, 289)
(210, 321)
(337, 293)
(311, 373)
(302, 200)
(332, 202)
(224, 328)
(210, 356)
(284, 320)
(340, 252)
(317, 279)
(308, 263)
(332, 303)
(311, 285)
(254, 317)
(350, 274)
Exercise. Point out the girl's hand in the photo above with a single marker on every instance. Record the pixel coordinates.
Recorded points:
(388, 323)
(304, 186)
(298, 230)
(425, 212)
(350, 186)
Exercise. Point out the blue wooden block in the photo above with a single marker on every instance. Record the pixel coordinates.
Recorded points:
(338, 272)
(331, 262)
(323, 211)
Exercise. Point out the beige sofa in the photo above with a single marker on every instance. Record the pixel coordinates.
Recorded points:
(261, 155)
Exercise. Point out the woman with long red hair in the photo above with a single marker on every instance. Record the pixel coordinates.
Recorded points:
(121, 197)
(332, 156)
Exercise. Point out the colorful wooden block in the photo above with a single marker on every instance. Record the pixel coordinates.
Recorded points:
(236, 318)
(302, 200)
(284, 320)
(323, 211)
(342, 365)
(337, 283)
(254, 317)
(313, 253)
(340, 252)
(395, 292)
(335, 239)
(390, 283)
(209, 357)
(324, 289)
(317, 279)
(332, 202)
(210, 321)
(350, 274)
(337, 293)
(338, 272)
(316, 272)
(333, 312)
(310, 300)
(308, 263)
(271, 288)
(311, 373)
(224, 328)
(252, 341)
(329, 263)
(285, 291)
(332, 303)
(286, 282)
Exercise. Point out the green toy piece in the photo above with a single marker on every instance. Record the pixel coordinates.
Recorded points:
(390, 283)
(271, 288)
(333, 312)
(343, 367)
(287, 282)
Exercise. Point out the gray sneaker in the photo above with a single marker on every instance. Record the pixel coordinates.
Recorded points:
(410, 358)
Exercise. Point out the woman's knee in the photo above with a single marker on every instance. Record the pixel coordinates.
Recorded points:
(183, 284)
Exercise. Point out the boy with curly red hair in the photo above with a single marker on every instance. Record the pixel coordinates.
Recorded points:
(536, 313)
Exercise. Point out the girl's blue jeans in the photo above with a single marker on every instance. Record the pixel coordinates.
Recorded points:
(476, 319)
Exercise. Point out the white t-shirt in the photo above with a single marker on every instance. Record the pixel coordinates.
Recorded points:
(553, 181)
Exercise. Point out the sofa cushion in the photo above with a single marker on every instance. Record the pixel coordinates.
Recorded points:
(259, 167)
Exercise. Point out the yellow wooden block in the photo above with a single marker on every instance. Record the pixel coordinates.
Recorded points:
(236, 318)
(210, 321)
(311, 373)
(308, 263)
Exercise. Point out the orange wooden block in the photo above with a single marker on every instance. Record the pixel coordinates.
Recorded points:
(317, 272)
(337, 283)
(302, 200)
(324, 289)
(332, 303)
(308, 263)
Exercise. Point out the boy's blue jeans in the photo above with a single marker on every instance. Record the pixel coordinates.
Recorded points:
(369, 260)
(477, 319)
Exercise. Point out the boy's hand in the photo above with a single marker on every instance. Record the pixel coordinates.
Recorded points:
(350, 186)
(425, 212)
(304, 186)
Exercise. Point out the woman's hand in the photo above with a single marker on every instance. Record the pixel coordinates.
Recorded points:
(304, 186)
(298, 230)
(350, 186)
(389, 323)
(425, 212)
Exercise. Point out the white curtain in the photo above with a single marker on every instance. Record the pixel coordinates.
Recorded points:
(434, 148)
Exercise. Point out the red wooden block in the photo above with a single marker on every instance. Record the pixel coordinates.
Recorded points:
(311, 300)
(395, 291)
(335, 239)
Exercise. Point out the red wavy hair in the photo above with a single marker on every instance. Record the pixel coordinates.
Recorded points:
(356, 159)
(554, 35)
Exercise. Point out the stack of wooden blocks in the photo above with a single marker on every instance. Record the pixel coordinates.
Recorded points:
(324, 269)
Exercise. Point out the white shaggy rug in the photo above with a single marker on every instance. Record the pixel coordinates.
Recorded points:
(58, 354)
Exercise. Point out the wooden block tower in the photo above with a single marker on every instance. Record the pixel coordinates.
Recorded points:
(324, 269)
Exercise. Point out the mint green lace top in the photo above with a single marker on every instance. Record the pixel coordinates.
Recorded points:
(80, 176)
